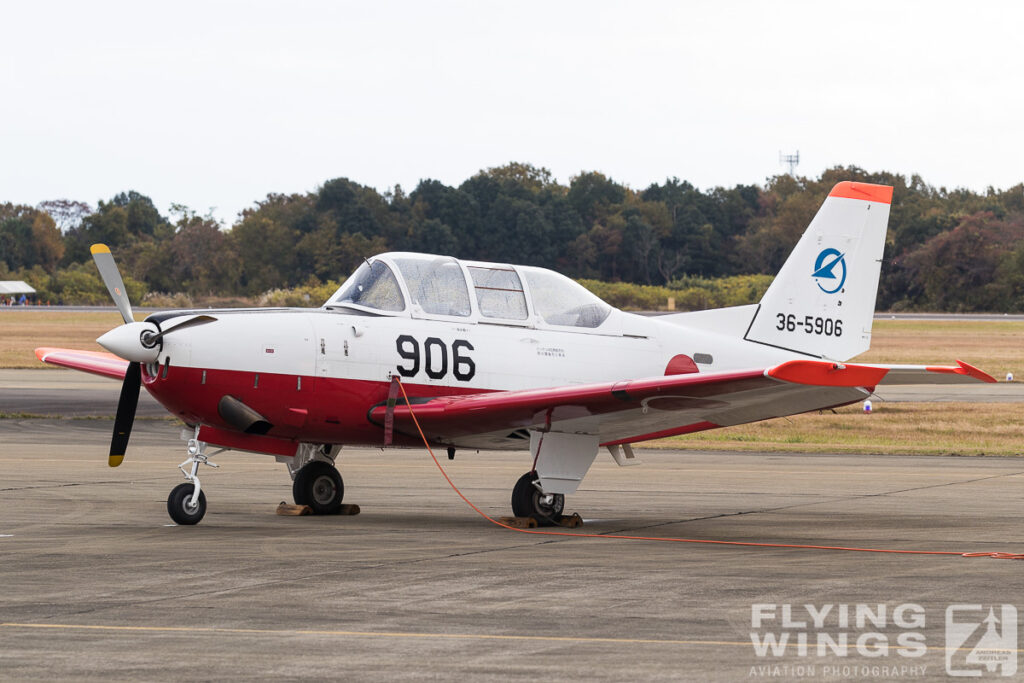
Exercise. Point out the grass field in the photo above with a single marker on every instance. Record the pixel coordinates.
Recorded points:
(892, 428)
(937, 428)
(995, 347)
(21, 332)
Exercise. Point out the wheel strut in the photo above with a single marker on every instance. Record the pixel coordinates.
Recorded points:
(187, 507)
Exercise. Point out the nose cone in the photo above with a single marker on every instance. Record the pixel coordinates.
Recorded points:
(126, 341)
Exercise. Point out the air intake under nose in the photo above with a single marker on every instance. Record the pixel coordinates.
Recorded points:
(242, 417)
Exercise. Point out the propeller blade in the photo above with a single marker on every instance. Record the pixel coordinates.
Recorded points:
(112, 279)
(126, 406)
(191, 322)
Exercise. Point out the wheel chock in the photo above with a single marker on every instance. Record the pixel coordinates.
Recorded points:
(293, 510)
(288, 509)
(519, 522)
(572, 521)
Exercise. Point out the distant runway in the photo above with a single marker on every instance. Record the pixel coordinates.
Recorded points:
(67, 393)
(97, 585)
(985, 317)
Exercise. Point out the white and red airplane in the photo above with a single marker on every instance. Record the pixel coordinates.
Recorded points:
(497, 356)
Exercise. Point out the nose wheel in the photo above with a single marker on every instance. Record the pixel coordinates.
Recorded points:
(181, 508)
(528, 500)
(187, 503)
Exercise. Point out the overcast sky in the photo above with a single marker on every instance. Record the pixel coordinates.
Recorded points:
(214, 104)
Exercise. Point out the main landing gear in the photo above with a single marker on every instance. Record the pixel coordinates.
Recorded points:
(528, 500)
(315, 480)
(319, 486)
(187, 502)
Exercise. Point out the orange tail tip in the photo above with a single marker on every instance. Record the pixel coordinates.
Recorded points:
(865, 191)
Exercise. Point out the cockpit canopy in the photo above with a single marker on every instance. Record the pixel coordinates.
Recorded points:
(423, 285)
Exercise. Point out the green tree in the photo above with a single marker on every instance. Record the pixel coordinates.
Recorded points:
(119, 224)
(29, 237)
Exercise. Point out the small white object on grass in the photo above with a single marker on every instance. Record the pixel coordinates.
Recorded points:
(867, 406)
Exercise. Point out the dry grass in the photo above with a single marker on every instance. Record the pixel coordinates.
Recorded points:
(21, 332)
(995, 347)
(893, 428)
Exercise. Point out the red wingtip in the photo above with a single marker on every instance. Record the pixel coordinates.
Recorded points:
(865, 191)
(964, 369)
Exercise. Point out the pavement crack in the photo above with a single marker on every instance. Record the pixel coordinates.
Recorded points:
(72, 484)
(939, 486)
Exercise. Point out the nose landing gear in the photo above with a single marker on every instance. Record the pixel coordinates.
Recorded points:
(187, 503)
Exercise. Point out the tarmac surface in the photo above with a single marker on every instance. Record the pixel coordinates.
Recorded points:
(97, 583)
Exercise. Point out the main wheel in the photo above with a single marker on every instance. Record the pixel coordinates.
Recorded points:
(528, 501)
(179, 505)
(319, 486)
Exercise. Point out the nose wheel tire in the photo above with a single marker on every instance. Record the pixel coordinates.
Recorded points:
(319, 486)
(179, 505)
(529, 501)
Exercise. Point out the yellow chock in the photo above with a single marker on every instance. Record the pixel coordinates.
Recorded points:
(293, 510)
(519, 522)
(572, 521)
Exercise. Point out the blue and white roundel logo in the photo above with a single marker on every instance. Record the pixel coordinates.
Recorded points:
(830, 270)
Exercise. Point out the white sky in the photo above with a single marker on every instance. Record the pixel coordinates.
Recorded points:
(215, 104)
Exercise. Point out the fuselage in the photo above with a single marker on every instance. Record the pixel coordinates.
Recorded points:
(443, 326)
(314, 374)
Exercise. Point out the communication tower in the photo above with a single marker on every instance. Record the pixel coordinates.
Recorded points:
(792, 160)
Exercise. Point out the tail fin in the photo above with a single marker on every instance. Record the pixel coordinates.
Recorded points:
(823, 300)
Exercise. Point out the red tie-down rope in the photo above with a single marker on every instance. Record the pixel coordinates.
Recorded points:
(412, 414)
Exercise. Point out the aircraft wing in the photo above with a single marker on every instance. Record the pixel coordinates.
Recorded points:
(643, 409)
(96, 362)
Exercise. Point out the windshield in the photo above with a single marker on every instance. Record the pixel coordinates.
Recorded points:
(373, 286)
(560, 301)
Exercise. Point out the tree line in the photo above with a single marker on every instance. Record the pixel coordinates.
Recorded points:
(947, 250)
